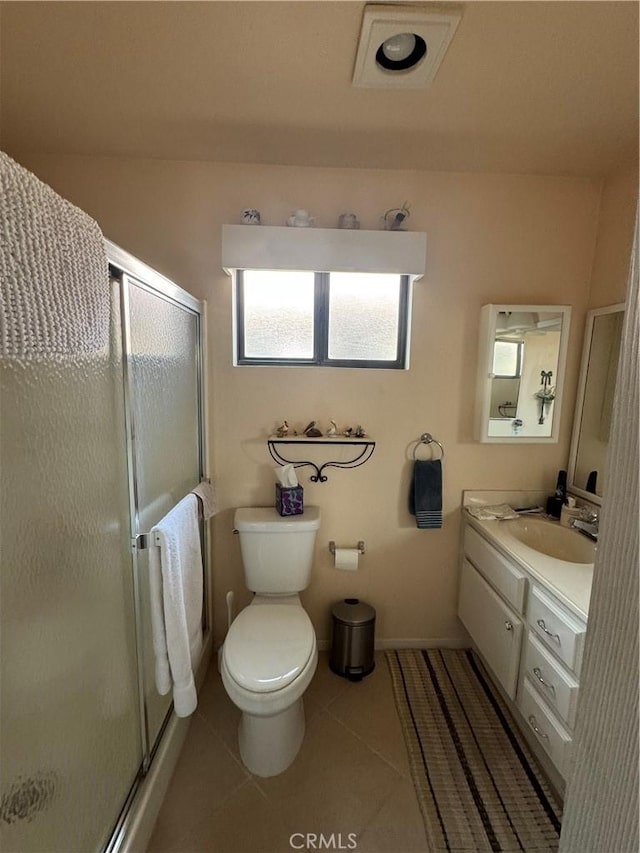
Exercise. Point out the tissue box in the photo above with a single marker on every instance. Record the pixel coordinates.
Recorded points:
(289, 500)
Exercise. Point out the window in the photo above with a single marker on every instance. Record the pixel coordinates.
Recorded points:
(276, 315)
(507, 359)
(333, 319)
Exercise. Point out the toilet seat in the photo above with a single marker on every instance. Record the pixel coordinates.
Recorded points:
(268, 646)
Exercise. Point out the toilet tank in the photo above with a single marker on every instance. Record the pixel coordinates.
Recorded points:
(277, 552)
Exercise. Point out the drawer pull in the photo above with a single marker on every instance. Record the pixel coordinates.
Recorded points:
(549, 633)
(534, 726)
(538, 675)
(508, 625)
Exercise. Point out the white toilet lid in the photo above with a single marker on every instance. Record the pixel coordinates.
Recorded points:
(268, 646)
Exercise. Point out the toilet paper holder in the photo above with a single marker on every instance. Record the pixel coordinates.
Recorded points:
(360, 546)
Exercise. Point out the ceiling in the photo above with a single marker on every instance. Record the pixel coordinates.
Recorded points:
(525, 87)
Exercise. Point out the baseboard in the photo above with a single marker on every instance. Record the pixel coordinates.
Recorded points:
(430, 643)
(140, 821)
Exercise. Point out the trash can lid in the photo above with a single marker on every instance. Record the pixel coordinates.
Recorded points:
(352, 611)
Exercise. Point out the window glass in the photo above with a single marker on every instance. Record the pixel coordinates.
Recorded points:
(278, 310)
(364, 312)
(332, 319)
(507, 358)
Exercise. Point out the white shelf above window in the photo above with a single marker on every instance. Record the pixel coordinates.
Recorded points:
(270, 247)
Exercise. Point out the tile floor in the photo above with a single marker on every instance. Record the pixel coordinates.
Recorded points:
(350, 776)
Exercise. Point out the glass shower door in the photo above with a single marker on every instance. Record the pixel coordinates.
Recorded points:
(162, 346)
(69, 726)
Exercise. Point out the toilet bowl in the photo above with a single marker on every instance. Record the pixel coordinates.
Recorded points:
(268, 660)
(270, 653)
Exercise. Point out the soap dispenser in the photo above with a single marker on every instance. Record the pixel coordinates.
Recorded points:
(556, 501)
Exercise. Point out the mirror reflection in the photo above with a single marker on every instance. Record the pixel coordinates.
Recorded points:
(595, 400)
(524, 372)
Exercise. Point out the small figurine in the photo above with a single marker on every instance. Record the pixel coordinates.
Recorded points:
(311, 431)
(347, 432)
(349, 221)
(300, 219)
(250, 216)
(333, 429)
(282, 430)
(360, 433)
(395, 218)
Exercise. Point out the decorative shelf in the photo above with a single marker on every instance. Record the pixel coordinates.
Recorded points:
(363, 446)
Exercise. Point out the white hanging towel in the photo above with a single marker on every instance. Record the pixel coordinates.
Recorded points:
(207, 494)
(175, 578)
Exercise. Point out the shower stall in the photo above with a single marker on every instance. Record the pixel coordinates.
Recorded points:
(95, 447)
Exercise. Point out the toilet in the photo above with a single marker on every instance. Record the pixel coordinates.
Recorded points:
(270, 653)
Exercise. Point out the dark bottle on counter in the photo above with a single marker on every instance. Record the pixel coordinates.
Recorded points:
(556, 501)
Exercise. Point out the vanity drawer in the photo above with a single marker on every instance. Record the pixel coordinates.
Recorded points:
(559, 631)
(552, 680)
(546, 727)
(501, 574)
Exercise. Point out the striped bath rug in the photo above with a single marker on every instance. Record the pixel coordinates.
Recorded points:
(477, 783)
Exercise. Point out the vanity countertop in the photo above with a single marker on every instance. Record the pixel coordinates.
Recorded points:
(569, 582)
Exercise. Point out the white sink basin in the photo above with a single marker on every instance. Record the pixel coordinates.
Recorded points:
(547, 537)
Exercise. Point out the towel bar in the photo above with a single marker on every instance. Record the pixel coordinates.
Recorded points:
(141, 542)
(427, 438)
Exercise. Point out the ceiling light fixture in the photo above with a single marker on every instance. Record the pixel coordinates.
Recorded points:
(403, 45)
(401, 52)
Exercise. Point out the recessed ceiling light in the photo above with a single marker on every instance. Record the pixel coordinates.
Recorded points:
(401, 52)
(402, 45)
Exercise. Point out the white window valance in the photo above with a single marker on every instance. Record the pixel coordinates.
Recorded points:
(323, 250)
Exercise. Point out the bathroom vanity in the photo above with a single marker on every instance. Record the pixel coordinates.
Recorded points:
(524, 599)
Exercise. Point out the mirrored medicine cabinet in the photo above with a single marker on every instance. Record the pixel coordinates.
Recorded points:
(521, 367)
(594, 405)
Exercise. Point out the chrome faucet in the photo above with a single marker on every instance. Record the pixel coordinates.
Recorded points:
(586, 523)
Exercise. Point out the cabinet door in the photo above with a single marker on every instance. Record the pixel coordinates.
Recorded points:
(493, 625)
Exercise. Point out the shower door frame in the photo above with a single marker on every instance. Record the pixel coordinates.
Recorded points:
(125, 268)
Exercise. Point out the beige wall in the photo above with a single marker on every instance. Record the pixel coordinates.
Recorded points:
(490, 239)
(615, 238)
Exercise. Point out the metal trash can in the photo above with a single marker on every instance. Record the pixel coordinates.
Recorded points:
(354, 626)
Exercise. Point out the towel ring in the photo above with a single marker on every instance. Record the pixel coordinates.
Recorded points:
(427, 438)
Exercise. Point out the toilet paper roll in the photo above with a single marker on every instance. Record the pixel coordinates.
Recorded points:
(347, 559)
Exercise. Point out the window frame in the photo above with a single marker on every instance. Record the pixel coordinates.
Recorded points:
(321, 330)
(519, 359)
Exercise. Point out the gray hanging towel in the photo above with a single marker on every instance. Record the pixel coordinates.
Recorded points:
(425, 494)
